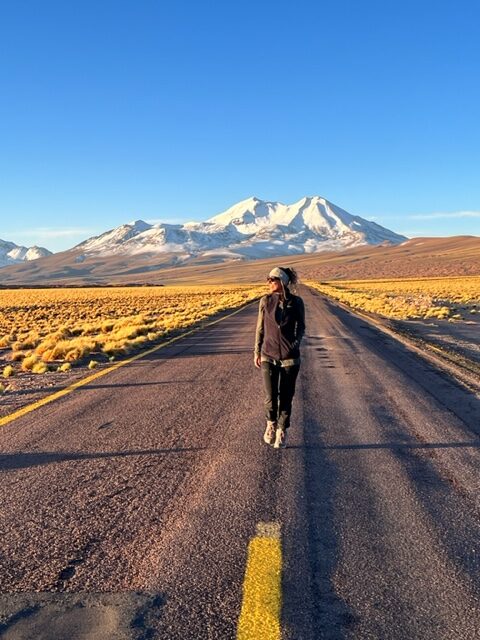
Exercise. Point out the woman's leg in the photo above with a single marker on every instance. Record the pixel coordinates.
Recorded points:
(288, 377)
(270, 374)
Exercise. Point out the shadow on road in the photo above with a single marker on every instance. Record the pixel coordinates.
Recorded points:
(333, 617)
(23, 460)
(89, 387)
(391, 445)
(450, 507)
(418, 371)
(312, 608)
(91, 615)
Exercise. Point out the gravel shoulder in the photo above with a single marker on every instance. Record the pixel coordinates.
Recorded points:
(460, 339)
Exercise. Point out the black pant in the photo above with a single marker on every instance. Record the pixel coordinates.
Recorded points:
(279, 389)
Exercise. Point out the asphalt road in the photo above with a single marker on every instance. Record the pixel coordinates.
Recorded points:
(127, 507)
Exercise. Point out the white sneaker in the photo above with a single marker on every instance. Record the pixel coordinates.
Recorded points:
(269, 435)
(280, 439)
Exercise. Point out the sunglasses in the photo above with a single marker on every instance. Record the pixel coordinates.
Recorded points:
(273, 279)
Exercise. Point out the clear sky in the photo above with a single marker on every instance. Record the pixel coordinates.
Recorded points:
(112, 111)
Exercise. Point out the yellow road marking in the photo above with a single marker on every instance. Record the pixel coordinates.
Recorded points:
(262, 586)
(80, 383)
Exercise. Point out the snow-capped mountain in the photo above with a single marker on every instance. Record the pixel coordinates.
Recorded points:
(11, 253)
(252, 228)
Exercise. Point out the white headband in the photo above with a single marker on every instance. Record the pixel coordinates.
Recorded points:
(280, 274)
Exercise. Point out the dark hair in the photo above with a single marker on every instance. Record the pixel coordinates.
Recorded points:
(292, 275)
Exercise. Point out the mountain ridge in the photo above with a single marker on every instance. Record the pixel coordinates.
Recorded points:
(250, 229)
(417, 257)
(11, 253)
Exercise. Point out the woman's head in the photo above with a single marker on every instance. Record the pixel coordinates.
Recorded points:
(280, 278)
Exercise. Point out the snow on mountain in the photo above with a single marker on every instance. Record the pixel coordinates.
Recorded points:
(141, 237)
(252, 228)
(106, 242)
(11, 253)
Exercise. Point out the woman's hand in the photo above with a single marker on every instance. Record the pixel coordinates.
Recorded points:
(257, 361)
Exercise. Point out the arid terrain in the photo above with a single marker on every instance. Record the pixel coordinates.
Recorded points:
(453, 256)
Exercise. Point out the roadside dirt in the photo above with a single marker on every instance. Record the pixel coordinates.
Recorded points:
(461, 338)
(26, 387)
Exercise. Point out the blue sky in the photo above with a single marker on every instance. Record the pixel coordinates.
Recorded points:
(174, 111)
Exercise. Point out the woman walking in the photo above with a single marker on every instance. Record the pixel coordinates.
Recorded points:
(280, 328)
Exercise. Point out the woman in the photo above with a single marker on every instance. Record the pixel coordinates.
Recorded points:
(280, 328)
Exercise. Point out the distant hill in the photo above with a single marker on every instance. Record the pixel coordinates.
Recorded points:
(418, 257)
(11, 253)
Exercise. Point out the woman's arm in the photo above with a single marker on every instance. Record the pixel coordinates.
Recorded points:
(300, 324)
(259, 332)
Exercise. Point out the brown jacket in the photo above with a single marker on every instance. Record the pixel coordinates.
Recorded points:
(280, 328)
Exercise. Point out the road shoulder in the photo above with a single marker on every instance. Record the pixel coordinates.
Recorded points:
(463, 369)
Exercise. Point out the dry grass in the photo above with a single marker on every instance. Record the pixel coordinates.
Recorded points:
(410, 298)
(64, 326)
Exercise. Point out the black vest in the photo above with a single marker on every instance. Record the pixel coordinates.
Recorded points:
(279, 327)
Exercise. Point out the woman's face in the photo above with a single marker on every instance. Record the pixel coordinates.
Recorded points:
(274, 285)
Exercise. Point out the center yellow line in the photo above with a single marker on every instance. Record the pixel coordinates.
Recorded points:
(262, 586)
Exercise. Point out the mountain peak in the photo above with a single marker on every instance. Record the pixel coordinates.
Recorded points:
(139, 225)
(313, 200)
(11, 253)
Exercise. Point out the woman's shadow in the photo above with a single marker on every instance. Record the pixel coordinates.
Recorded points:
(312, 609)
